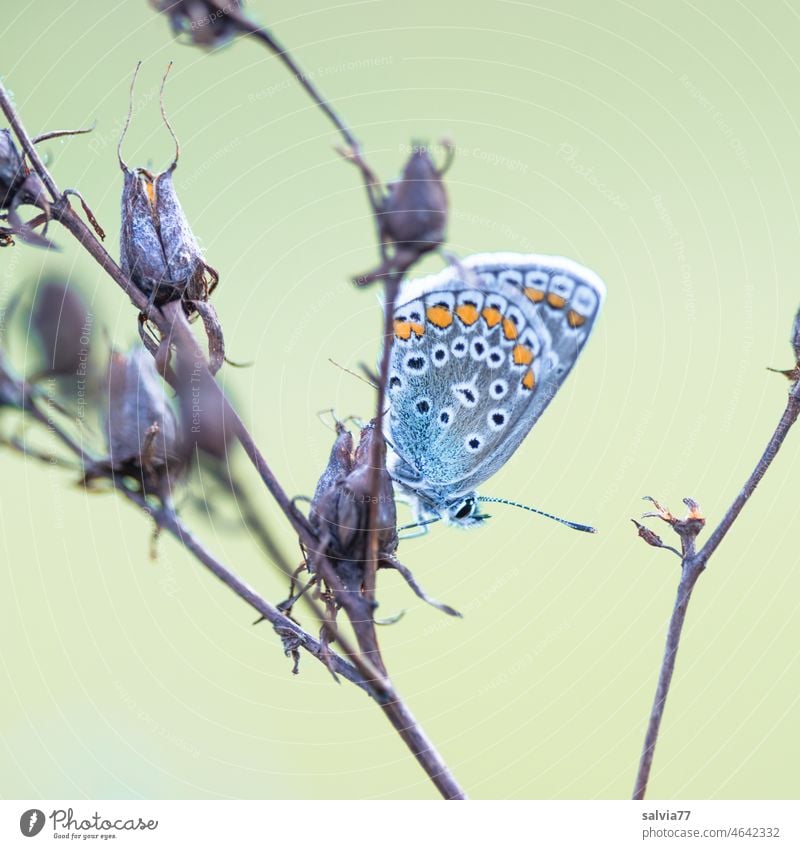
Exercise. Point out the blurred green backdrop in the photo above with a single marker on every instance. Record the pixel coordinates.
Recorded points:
(656, 143)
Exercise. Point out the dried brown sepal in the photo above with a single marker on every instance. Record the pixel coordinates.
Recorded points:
(661, 512)
(199, 22)
(412, 217)
(141, 428)
(650, 537)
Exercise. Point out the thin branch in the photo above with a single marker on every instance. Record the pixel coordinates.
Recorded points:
(692, 566)
(391, 289)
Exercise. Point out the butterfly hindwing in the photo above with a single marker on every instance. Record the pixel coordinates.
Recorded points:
(479, 351)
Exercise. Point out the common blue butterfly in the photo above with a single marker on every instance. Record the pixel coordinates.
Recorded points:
(479, 350)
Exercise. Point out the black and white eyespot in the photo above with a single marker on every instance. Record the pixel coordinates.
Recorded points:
(511, 276)
(498, 389)
(415, 363)
(496, 302)
(459, 347)
(495, 357)
(473, 443)
(466, 394)
(531, 340)
(422, 407)
(440, 355)
(395, 383)
(445, 417)
(478, 349)
(497, 419)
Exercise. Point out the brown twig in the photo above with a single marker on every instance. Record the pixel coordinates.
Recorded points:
(693, 563)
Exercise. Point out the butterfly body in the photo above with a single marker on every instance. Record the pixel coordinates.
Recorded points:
(479, 350)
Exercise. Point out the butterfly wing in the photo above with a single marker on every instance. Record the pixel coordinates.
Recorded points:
(479, 351)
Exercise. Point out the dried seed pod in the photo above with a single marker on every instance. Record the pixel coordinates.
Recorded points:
(63, 324)
(413, 215)
(141, 427)
(19, 186)
(202, 23)
(341, 504)
(158, 250)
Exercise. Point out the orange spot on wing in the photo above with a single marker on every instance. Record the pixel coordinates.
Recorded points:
(402, 330)
(529, 381)
(534, 295)
(150, 188)
(556, 300)
(575, 319)
(468, 313)
(440, 316)
(523, 356)
(510, 329)
(492, 316)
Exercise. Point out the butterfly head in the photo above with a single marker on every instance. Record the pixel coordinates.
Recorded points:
(464, 511)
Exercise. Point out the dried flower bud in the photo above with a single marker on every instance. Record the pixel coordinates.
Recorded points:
(341, 504)
(63, 324)
(158, 250)
(202, 23)
(19, 186)
(413, 215)
(141, 428)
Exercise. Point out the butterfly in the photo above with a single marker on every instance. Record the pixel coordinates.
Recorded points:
(479, 350)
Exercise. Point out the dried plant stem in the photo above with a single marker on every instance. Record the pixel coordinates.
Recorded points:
(391, 288)
(692, 566)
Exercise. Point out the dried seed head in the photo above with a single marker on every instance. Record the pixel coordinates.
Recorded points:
(200, 22)
(12, 171)
(415, 213)
(341, 505)
(18, 187)
(158, 250)
(63, 326)
(141, 428)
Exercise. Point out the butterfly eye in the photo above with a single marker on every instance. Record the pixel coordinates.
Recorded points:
(465, 509)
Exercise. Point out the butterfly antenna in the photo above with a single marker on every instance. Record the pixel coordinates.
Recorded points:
(574, 525)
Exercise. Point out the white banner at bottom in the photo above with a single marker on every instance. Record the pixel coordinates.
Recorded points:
(354, 824)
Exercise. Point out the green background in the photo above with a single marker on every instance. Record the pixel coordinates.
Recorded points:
(656, 143)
